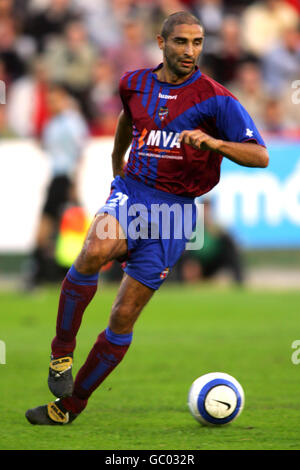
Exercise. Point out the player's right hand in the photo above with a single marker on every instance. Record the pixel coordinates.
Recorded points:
(199, 140)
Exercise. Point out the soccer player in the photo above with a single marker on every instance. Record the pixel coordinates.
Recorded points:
(180, 124)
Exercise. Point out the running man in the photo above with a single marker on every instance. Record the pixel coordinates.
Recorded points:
(180, 124)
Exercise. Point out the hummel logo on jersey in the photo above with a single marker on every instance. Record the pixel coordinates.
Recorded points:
(167, 97)
(158, 138)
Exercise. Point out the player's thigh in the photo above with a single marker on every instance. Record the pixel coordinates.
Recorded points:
(105, 241)
(130, 301)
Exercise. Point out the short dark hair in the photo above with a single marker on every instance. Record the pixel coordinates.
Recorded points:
(60, 87)
(180, 17)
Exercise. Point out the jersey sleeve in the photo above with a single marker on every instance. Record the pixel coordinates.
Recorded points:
(124, 95)
(234, 123)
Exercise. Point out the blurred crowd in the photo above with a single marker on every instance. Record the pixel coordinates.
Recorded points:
(251, 47)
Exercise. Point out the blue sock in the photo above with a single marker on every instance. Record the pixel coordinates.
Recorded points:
(118, 339)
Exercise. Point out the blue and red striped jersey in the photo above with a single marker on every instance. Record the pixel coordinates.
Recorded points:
(160, 111)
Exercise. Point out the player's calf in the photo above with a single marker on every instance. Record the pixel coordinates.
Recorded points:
(131, 299)
(76, 293)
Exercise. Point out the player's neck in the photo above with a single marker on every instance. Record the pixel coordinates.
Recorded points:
(164, 74)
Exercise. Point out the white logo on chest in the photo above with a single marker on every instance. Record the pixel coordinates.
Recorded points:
(167, 97)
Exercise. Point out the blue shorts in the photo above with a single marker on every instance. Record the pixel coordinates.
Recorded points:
(157, 226)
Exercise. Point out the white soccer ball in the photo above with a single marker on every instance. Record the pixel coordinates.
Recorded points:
(216, 398)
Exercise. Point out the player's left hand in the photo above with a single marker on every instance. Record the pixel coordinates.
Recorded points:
(199, 140)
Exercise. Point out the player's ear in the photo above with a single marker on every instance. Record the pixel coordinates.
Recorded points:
(160, 41)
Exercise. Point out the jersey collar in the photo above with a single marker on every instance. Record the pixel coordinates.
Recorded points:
(190, 80)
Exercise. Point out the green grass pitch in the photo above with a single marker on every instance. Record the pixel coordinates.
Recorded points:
(184, 332)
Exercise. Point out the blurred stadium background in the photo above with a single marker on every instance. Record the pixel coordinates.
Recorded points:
(253, 48)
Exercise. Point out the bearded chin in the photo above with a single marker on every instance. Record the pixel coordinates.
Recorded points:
(174, 68)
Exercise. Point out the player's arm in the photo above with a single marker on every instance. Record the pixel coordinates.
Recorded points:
(243, 153)
(122, 141)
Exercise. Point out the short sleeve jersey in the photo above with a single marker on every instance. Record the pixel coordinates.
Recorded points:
(160, 111)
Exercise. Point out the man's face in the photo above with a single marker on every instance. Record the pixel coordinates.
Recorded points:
(56, 101)
(182, 48)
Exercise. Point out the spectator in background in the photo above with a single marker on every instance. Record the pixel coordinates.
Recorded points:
(295, 4)
(15, 65)
(237, 7)
(12, 19)
(134, 43)
(281, 65)
(249, 89)
(291, 108)
(37, 5)
(107, 13)
(3, 74)
(29, 94)
(63, 139)
(70, 60)
(273, 119)
(225, 62)
(6, 10)
(49, 22)
(211, 14)
(13, 10)
(5, 131)
(219, 253)
(264, 23)
(104, 100)
(187, 3)
(158, 11)
(276, 123)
